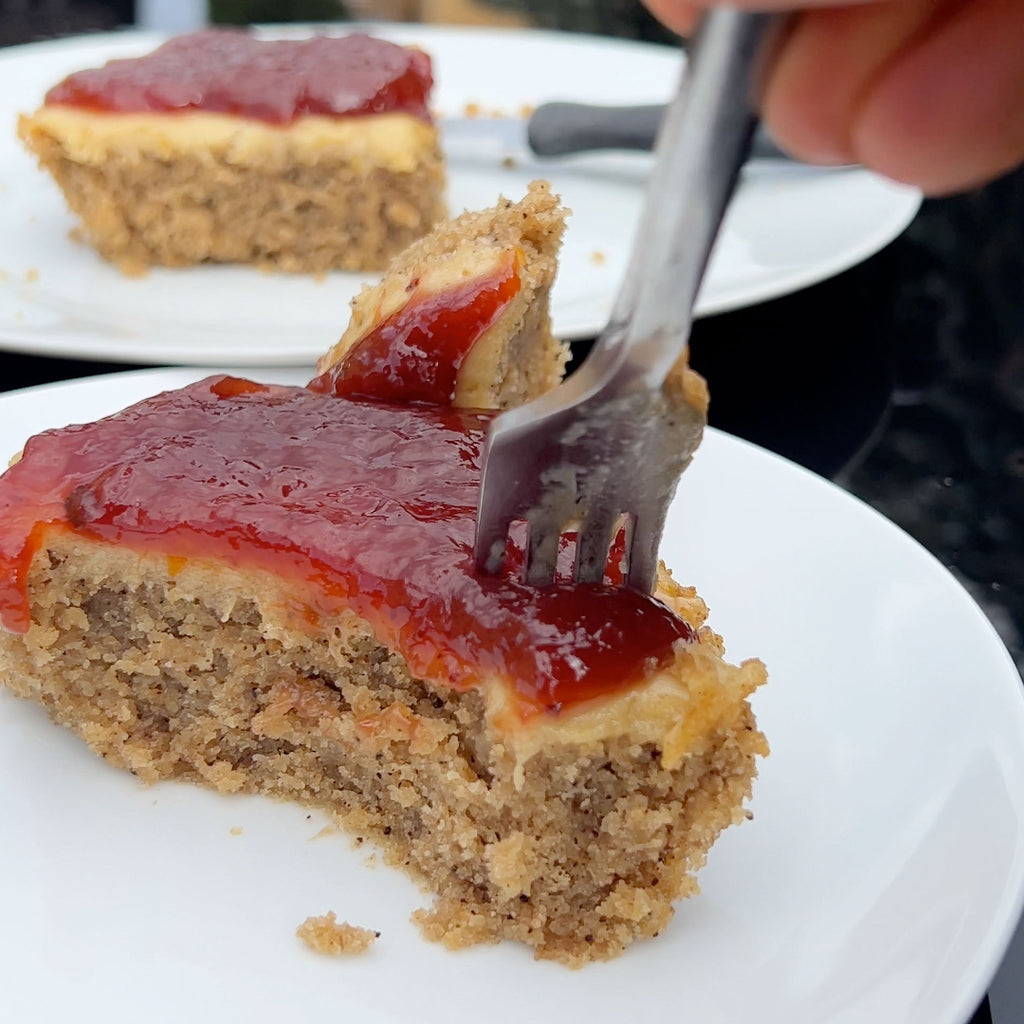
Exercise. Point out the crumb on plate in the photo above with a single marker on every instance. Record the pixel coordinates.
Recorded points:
(327, 935)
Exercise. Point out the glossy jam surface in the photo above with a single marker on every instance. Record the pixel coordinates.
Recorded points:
(230, 72)
(362, 505)
(415, 354)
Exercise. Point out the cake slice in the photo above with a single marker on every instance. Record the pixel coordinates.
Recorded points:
(301, 155)
(270, 589)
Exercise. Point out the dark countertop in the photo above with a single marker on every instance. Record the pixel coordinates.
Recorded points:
(901, 379)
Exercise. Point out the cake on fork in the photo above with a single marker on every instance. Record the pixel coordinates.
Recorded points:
(462, 316)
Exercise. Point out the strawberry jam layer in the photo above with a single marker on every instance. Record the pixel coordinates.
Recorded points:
(353, 505)
(230, 72)
(415, 354)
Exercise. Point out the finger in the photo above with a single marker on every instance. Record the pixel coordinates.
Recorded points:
(948, 114)
(678, 15)
(827, 65)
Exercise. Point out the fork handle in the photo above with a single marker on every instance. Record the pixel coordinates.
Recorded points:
(703, 142)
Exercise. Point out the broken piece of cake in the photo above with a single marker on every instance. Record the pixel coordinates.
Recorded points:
(326, 934)
(271, 589)
(298, 155)
(462, 317)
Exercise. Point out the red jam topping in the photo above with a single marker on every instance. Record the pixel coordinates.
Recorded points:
(278, 81)
(415, 354)
(355, 504)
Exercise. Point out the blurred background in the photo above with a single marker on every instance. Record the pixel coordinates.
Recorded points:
(26, 20)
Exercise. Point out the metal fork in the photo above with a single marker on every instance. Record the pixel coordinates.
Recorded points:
(608, 445)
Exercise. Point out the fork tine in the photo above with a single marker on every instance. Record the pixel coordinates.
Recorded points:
(642, 549)
(541, 552)
(492, 527)
(593, 542)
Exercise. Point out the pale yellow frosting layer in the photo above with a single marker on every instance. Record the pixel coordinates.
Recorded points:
(396, 141)
(679, 709)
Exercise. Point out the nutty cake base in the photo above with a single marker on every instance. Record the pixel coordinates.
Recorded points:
(202, 672)
(319, 212)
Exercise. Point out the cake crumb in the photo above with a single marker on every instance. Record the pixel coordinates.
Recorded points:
(508, 161)
(327, 935)
(597, 258)
(31, 275)
(472, 109)
(235, 830)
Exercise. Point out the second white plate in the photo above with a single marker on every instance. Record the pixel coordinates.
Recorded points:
(788, 228)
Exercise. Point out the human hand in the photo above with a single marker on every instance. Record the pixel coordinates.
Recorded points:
(929, 92)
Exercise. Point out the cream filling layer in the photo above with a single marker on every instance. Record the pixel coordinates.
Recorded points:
(679, 709)
(399, 142)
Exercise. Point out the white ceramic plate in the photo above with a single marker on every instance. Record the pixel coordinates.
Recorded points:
(879, 880)
(788, 228)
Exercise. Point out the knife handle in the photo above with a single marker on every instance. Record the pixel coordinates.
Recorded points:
(559, 129)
